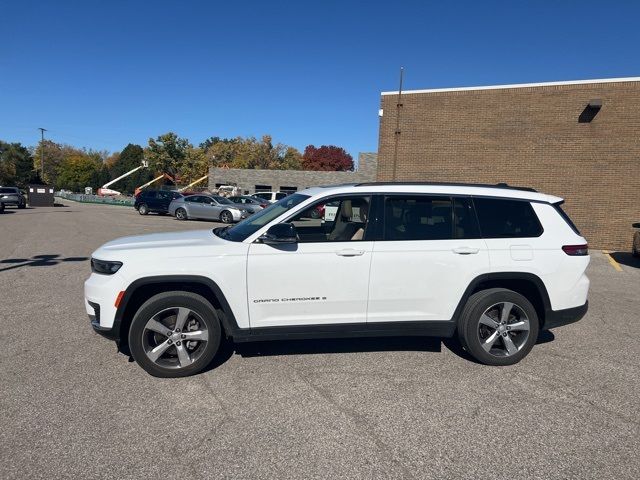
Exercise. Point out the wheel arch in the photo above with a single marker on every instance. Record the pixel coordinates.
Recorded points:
(142, 289)
(527, 284)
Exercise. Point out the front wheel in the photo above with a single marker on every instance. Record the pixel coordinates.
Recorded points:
(22, 205)
(143, 209)
(175, 334)
(498, 326)
(181, 214)
(226, 217)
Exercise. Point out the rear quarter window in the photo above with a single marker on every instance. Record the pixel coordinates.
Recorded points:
(504, 218)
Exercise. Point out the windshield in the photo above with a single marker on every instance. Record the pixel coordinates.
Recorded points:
(255, 222)
(223, 200)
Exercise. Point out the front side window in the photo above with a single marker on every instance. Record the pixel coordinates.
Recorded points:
(280, 195)
(255, 222)
(418, 218)
(504, 218)
(342, 219)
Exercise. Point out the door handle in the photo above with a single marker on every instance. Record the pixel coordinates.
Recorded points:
(465, 250)
(350, 252)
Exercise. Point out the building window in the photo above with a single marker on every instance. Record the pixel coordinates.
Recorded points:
(262, 188)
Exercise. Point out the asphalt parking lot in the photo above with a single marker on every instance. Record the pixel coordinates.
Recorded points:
(71, 406)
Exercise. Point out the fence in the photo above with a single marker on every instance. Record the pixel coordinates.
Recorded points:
(79, 197)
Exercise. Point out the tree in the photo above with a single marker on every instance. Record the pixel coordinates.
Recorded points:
(77, 171)
(16, 164)
(194, 166)
(54, 154)
(166, 153)
(123, 162)
(327, 158)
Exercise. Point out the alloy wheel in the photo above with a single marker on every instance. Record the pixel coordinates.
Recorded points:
(175, 337)
(225, 217)
(503, 329)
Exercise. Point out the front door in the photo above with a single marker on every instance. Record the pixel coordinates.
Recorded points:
(321, 279)
(429, 253)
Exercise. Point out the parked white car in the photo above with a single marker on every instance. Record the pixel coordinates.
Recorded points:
(271, 197)
(490, 265)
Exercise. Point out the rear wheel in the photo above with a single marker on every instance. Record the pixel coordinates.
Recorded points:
(498, 326)
(22, 205)
(175, 334)
(226, 217)
(181, 214)
(143, 209)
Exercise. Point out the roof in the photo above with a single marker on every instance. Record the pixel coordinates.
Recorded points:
(436, 188)
(518, 85)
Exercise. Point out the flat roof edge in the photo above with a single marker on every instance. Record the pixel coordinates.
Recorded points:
(518, 85)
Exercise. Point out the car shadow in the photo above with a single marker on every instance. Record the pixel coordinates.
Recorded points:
(625, 258)
(7, 211)
(347, 345)
(46, 260)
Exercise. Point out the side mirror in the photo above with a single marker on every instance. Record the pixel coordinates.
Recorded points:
(636, 225)
(280, 233)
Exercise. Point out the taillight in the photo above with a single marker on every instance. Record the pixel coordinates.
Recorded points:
(263, 205)
(576, 250)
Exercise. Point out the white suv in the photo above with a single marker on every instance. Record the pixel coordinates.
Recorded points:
(492, 265)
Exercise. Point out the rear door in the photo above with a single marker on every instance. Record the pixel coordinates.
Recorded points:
(429, 252)
(512, 232)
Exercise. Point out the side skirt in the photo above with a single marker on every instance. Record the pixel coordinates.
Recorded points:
(432, 328)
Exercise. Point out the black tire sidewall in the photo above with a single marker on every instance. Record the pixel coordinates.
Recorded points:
(183, 212)
(143, 209)
(165, 300)
(476, 306)
(222, 216)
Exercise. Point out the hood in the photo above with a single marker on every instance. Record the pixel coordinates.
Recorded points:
(152, 241)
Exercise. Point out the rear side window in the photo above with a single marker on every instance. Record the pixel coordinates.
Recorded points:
(417, 218)
(563, 214)
(503, 218)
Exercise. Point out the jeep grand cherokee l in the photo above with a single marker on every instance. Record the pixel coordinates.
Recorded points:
(490, 265)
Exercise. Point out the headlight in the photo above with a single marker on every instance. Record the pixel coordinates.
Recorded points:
(104, 267)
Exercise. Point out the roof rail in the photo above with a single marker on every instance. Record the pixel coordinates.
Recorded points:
(450, 184)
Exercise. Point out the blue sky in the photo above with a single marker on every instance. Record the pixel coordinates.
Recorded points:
(103, 74)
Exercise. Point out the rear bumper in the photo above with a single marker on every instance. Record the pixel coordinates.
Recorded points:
(558, 318)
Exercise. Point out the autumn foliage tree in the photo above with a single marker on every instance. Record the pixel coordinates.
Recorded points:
(326, 158)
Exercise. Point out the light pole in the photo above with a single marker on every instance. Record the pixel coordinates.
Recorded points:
(42, 130)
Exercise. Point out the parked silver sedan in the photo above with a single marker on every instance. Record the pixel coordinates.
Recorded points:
(208, 207)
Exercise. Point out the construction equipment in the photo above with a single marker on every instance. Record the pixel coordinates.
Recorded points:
(106, 191)
(164, 175)
(193, 183)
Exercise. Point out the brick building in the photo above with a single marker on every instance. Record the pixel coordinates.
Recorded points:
(252, 180)
(578, 140)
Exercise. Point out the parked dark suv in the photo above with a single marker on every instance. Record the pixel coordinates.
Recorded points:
(12, 196)
(156, 201)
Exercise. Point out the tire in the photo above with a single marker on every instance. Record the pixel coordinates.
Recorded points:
(176, 356)
(506, 341)
(22, 205)
(226, 216)
(181, 214)
(143, 209)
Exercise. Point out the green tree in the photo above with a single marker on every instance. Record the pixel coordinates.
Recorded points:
(166, 153)
(54, 154)
(77, 171)
(130, 158)
(194, 166)
(16, 164)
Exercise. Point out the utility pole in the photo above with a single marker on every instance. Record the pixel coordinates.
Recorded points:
(397, 131)
(42, 130)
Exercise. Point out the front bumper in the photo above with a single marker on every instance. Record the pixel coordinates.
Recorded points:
(558, 318)
(112, 333)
